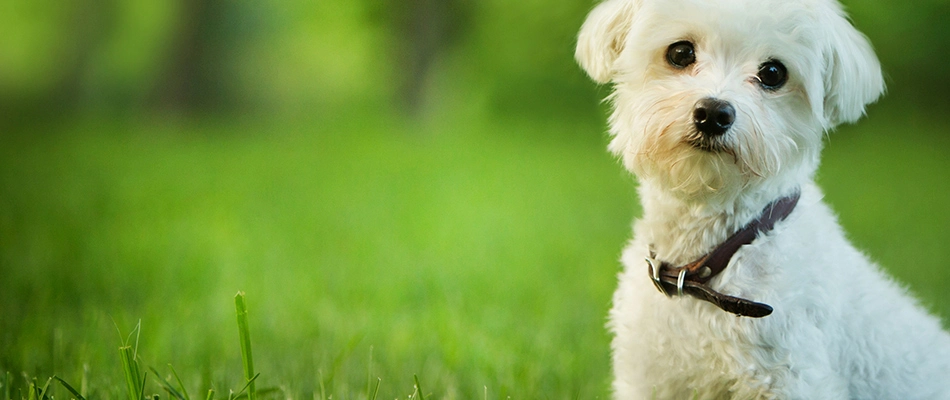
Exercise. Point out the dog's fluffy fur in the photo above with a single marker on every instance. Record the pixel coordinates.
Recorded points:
(841, 328)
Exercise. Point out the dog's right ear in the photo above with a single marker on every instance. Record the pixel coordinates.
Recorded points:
(602, 37)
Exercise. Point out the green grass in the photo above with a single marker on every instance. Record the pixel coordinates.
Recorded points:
(475, 258)
(244, 332)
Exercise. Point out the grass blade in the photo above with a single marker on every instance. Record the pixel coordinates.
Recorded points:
(180, 384)
(376, 391)
(133, 378)
(84, 384)
(142, 390)
(138, 333)
(323, 389)
(35, 392)
(418, 387)
(243, 329)
(369, 375)
(210, 395)
(45, 389)
(249, 383)
(262, 392)
(167, 386)
(7, 383)
(69, 388)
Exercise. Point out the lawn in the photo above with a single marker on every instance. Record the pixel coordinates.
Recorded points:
(478, 256)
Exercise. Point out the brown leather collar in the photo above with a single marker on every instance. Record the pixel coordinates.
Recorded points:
(691, 278)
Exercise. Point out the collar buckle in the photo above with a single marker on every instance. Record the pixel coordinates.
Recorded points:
(692, 278)
(655, 275)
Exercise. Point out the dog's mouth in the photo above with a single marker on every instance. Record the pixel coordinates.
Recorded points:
(704, 143)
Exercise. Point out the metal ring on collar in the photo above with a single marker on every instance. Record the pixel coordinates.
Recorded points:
(680, 280)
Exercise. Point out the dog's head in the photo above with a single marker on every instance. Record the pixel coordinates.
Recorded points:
(722, 97)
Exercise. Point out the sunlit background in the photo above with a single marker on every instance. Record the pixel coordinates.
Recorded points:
(403, 188)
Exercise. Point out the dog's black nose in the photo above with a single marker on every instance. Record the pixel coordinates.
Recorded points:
(713, 117)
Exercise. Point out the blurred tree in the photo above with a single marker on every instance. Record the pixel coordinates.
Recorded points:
(296, 56)
(424, 31)
(47, 54)
(521, 56)
(186, 83)
(208, 37)
(88, 28)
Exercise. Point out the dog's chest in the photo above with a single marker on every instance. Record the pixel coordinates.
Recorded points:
(684, 348)
(716, 356)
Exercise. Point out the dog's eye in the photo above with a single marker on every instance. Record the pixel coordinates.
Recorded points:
(772, 75)
(681, 54)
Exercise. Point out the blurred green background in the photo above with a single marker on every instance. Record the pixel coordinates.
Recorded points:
(401, 187)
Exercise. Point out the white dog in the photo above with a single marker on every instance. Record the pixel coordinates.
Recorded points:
(719, 109)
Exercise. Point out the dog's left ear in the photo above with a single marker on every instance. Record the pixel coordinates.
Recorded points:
(602, 37)
(852, 72)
